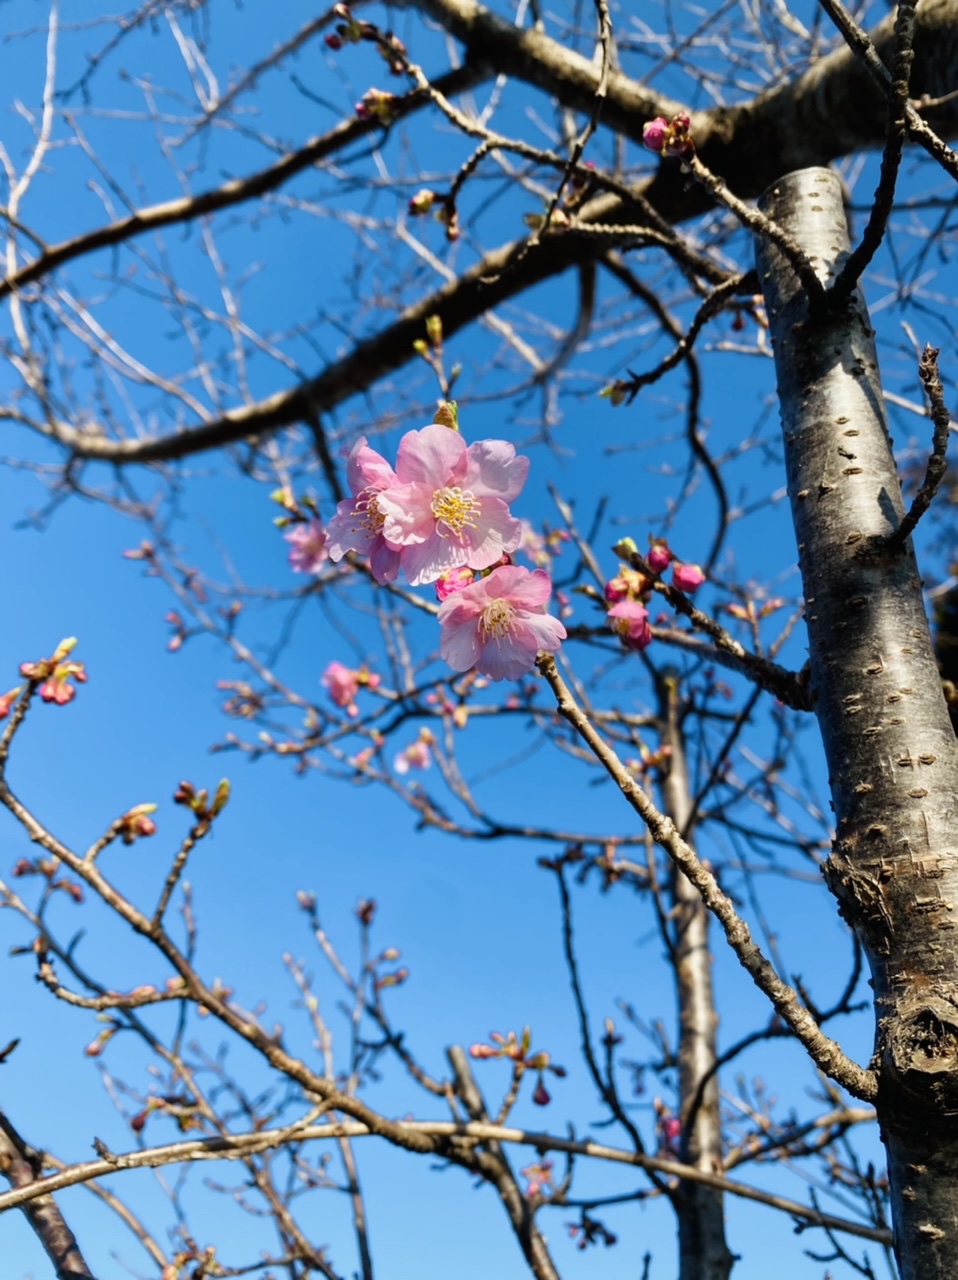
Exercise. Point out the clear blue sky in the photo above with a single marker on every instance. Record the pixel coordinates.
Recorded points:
(477, 923)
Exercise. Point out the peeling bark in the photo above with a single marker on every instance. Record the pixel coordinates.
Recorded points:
(889, 744)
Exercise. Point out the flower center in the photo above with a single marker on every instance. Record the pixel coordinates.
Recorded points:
(496, 620)
(367, 510)
(456, 509)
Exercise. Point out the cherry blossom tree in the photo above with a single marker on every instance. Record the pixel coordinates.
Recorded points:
(560, 242)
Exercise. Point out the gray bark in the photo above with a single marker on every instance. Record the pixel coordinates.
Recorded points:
(703, 1250)
(889, 743)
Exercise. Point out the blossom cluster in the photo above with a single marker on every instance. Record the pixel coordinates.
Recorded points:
(630, 589)
(518, 1050)
(669, 137)
(440, 516)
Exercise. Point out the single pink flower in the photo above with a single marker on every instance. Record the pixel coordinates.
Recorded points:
(358, 522)
(415, 756)
(449, 506)
(687, 577)
(499, 623)
(630, 621)
(307, 544)
(539, 1177)
(342, 686)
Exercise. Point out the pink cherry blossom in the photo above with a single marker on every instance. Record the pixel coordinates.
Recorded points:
(342, 683)
(630, 621)
(500, 623)
(416, 756)
(358, 522)
(449, 506)
(539, 1177)
(307, 547)
(342, 686)
(687, 577)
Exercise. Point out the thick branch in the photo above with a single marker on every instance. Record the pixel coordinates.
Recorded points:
(22, 1166)
(831, 110)
(237, 191)
(244, 1144)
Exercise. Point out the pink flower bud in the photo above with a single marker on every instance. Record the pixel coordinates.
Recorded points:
(687, 577)
(630, 621)
(7, 701)
(541, 1097)
(483, 1051)
(453, 580)
(659, 557)
(655, 134)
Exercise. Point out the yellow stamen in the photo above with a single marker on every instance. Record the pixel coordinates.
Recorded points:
(367, 510)
(496, 620)
(456, 509)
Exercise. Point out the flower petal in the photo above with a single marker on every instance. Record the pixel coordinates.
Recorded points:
(434, 456)
(495, 531)
(423, 562)
(459, 638)
(495, 470)
(367, 469)
(408, 512)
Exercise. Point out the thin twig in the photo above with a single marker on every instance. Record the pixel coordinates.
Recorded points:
(937, 464)
(824, 1051)
(874, 232)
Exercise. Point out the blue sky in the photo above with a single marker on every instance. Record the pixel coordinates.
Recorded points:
(477, 923)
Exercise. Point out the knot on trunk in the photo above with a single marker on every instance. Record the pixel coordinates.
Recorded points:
(919, 1053)
(860, 890)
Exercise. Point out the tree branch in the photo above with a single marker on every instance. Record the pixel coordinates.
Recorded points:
(244, 1144)
(824, 1052)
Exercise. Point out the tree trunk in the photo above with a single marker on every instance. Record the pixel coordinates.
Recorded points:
(889, 744)
(703, 1250)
